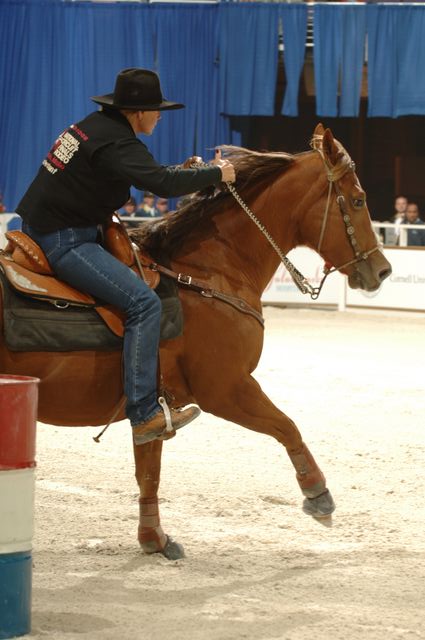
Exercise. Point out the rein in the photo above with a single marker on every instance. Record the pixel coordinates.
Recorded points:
(333, 174)
(301, 281)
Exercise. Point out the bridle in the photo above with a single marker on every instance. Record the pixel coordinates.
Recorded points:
(334, 174)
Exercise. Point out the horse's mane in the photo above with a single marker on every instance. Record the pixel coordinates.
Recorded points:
(252, 168)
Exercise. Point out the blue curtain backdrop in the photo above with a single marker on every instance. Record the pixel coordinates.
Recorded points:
(55, 55)
(294, 22)
(221, 60)
(339, 37)
(396, 60)
(353, 55)
(194, 128)
(248, 58)
(382, 60)
(411, 69)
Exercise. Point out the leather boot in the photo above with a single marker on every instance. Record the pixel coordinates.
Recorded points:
(155, 428)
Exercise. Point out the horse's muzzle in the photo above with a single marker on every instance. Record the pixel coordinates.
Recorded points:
(370, 274)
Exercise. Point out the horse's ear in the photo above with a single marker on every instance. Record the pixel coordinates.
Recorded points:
(330, 150)
(319, 130)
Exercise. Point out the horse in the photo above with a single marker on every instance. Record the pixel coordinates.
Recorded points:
(313, 199)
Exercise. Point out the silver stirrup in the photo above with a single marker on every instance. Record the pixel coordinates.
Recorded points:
(167, 414)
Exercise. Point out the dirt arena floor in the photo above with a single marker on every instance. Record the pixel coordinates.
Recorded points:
(256, 566)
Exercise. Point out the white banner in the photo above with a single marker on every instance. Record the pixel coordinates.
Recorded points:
(404, 289)
(282, 289)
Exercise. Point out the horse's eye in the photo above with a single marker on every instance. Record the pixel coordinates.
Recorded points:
(358, 203)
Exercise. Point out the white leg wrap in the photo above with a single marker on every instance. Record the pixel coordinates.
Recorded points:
(166, 409)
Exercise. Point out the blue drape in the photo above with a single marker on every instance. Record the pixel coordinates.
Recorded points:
(353, 55)
(411, 80)
(55, 55)
(396, 60)
(339, 36)
(327, 56)
(294, 21)
(218, 59)
(186, 40)
(382, 60)
(248, 58)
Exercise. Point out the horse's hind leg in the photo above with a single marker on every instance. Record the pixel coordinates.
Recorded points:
(151, 536)
(247, 405)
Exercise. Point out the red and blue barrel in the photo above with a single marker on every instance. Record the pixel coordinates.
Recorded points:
(18, 415)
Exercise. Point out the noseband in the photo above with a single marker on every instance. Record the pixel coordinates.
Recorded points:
(334, 174)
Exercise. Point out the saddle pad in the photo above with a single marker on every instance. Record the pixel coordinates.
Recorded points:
(34, 325)
(37, 325)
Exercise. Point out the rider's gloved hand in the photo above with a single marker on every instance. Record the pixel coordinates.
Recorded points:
(188, 164)
(227, 169)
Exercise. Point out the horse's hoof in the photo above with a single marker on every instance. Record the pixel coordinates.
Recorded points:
(320, 507)
(325, 520)
(173, 550)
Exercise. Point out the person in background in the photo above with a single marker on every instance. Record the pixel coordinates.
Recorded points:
(392, 235)
(147, 209)
(129, 210)
(400, 206)
(415, 237)
(162, 206)
(86, 177)
(130, 207)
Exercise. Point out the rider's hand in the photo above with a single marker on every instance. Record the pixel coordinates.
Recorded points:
(187, 164)
(227, 169)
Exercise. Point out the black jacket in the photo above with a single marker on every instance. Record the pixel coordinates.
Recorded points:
(88, 172)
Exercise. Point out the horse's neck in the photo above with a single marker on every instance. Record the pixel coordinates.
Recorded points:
(240, 249)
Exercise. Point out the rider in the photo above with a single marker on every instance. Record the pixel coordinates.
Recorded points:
(84, 178)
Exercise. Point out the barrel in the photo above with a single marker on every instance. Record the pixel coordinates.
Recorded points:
(18, 415)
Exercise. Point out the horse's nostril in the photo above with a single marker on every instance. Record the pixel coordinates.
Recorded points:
(384, 274)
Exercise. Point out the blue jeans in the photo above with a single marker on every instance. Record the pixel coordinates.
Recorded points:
(77, 258)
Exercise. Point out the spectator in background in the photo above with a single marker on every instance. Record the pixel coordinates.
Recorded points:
(129, 210)
(415, 237)
(2, 205)
(400, 206)
(392, 235)
(162, 206)
(147, 208)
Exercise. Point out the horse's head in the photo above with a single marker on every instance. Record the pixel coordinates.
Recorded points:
(343, 234)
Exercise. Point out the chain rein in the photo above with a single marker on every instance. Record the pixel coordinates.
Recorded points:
(299, 280)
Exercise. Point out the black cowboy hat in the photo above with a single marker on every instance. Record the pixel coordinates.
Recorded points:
(137, 89)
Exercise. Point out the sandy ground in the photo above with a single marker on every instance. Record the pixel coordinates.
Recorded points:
(256, 566)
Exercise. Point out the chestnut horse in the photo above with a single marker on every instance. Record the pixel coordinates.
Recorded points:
(312, 199)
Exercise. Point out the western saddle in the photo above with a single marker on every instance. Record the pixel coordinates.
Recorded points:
(28, 271)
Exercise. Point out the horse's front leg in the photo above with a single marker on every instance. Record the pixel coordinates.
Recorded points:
(151, 536)
(248, 406)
